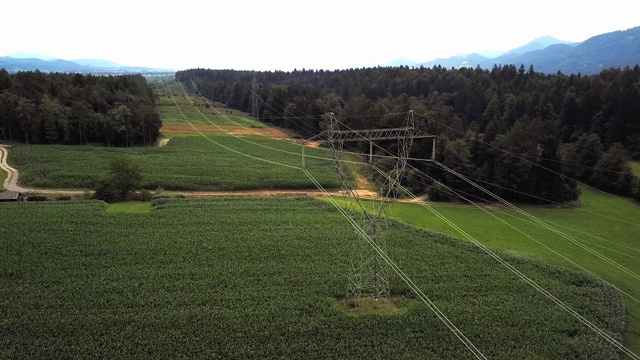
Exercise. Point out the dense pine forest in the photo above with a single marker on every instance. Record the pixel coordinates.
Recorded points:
(575, 127)
(56, 108)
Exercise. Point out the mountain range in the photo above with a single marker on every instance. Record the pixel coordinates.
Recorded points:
(547, 54)
(28, 62)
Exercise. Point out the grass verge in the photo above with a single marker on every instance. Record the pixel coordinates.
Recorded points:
(129, 207)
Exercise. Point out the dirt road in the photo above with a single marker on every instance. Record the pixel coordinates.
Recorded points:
(11, 182)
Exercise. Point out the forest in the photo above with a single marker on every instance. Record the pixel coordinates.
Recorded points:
(75, 109)
(562, 128)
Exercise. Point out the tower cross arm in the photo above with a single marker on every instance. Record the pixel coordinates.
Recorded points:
(372, 134)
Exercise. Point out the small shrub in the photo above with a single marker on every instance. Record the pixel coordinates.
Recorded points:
(87, 195)
(105, 191)
(438, 192)
(37, 198)
(145, 195)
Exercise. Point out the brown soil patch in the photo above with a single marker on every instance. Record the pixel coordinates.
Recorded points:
(184, 128)
(371, 306)
(313, 143)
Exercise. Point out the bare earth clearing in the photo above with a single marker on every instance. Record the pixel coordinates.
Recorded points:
(182, 128)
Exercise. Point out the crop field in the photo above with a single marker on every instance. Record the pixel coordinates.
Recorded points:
(185, 163)
(604, 223)
(262, 278)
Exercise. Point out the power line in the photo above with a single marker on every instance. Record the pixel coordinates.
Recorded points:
(536, 286)
(224, 146)
(531, 162)
(363, 234)
(524, 277)
(539, 221)
(432, 306)
(542, 223)
(537, 241)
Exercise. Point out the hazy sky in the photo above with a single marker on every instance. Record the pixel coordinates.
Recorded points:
(312, 34)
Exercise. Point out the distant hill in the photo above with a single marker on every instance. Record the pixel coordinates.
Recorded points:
(611, 50)
(458, 61)
(30, 62)
(616, 49)
(401, 62)
(98, 63)
(26, 55)
(472, 60)
(537, 44)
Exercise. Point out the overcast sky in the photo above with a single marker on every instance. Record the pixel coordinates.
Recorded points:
(312, 34)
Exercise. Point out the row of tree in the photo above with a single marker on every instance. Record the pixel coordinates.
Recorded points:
(482, 118)
(57, 108)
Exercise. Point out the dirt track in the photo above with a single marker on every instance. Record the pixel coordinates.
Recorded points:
(11, 184)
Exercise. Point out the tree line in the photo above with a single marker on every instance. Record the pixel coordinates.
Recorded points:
(572, 126)
(75, 109)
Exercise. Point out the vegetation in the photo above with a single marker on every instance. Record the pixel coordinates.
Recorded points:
(129, 207)
(603, 223)
(3, 177)
(239, 278)
(126, 177)
(188, 162)
(185, 163)
(492, 114)
(635, 167)
(39, 108)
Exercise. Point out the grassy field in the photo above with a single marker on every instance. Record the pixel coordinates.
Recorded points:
(603, 223)
(635, 167)
(262, 278)
(129, 207)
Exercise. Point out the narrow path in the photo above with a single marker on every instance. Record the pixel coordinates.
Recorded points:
(11, 182)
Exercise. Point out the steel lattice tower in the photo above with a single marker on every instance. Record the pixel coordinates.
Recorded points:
(369, 273)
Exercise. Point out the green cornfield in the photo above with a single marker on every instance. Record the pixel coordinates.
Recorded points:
(185, 163)
(261, 278)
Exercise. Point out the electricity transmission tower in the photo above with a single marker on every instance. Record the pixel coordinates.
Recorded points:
(369, 272)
